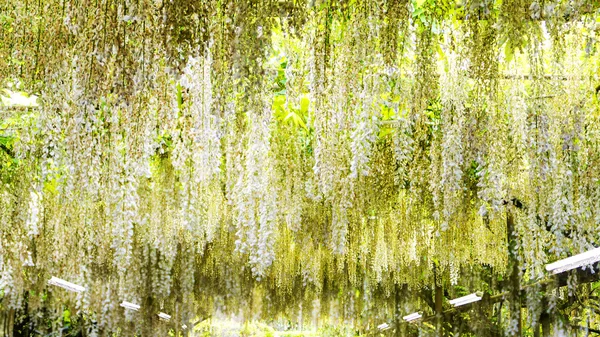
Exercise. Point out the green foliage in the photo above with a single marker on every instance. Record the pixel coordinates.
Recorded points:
(325, 159)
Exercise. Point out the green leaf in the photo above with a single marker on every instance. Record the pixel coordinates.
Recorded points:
(67, 316)
(6, 140)
(418, 12)
(179, 97)
(383, 132)
(304, 104)
(509, 52)
(296, 119)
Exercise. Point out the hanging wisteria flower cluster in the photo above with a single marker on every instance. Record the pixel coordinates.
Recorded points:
(193, 156)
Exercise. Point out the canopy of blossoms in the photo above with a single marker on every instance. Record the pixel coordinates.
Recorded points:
(316, 159)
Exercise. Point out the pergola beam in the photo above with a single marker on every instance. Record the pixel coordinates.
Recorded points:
(555, 281)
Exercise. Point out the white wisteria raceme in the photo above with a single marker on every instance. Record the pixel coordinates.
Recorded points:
(257, 210)
(34, 213)
(293, 158)
(453, 140)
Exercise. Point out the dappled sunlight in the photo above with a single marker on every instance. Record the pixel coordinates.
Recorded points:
(299, 168)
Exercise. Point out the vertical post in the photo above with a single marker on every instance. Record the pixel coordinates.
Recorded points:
(541, 328)
(513, 262)
(545, 320)
(397, 314)
(24, 324)
(401, 326)
(11, 323)
(177, 319)
(438, 301)
(301, 317)
(438, 310)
